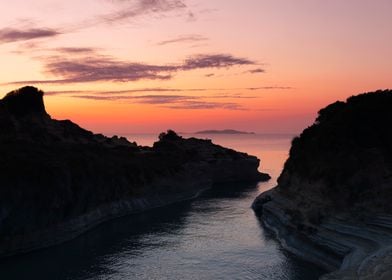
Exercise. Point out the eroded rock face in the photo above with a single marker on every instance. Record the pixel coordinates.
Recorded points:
(58, 180)
(334, 195)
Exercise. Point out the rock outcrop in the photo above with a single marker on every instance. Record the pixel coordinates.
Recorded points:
(58, 180)
(332, 205)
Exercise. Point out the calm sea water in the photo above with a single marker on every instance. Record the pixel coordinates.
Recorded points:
(216, 236)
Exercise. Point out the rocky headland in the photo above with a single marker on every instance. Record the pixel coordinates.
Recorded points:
(58, 180)
(332, 205)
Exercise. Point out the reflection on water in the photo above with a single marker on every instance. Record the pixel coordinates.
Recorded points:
(216, 236)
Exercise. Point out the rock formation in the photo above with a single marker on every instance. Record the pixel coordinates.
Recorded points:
(58, 180)
(332, 205)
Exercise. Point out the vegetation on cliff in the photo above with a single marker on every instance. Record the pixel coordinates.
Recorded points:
(344, 160)
(332, 205)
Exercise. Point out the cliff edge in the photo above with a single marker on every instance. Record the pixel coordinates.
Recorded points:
(58, 180)
(332, 205)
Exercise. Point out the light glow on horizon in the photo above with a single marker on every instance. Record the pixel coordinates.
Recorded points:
(149, 65)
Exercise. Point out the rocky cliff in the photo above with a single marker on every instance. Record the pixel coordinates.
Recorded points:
(332, 204)
(57, 180)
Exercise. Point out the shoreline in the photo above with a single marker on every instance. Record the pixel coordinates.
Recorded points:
(345, 249)
(77, 226)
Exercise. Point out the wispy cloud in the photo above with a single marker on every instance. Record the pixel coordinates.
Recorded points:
(143, 99)
(104, 69)
(202, 105)
(198, 98)
(224, 92)
(192, 38)
(40, 51)
(72, 50)
(125, 92)
(132, 9)
(214, 61)
(269, 88)
(162, 99)
(64, 92)
(93, 67)
(124, 9)
(13, 35)
(256, 71)
(148, 99)
(231, 96)
(191, 16)
(168, 101)
(144, 90)
(127, 10)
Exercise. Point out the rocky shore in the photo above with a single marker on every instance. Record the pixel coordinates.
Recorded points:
(332, 202)
(348, 248)
(71, 228)
(58, 180)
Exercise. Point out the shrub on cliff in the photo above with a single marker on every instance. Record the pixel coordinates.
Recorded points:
(345, 157)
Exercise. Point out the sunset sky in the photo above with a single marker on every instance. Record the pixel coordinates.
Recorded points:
(129, 66)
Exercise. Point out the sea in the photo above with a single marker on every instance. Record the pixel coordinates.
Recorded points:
(215, 236)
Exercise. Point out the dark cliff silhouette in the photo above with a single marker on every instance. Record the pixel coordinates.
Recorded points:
(332, 204)
(349, 149)
(25, 101)
(58, 180)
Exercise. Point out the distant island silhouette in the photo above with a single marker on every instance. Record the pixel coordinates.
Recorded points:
(332, 205)
(58, 180)
(224, 131)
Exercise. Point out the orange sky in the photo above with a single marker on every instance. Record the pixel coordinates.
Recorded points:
(128, 66)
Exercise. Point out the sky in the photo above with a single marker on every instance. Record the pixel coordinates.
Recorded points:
(145, 66)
